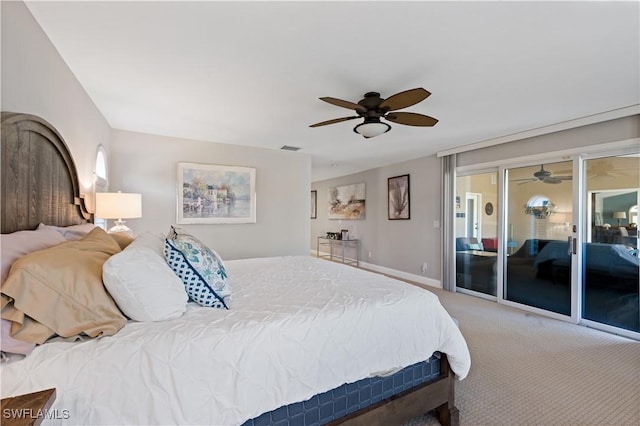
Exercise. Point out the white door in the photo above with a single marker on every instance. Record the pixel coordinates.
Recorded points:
(474, 218)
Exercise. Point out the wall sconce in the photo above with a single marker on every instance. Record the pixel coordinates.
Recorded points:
(118, 205)
(619, 216)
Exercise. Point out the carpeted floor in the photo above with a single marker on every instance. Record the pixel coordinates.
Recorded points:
(532, 370)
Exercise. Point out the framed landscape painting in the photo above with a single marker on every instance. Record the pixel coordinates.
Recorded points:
(347, 202)
(210, 193)
(398, 201)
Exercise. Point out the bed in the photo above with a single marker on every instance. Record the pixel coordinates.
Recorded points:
(304, 341)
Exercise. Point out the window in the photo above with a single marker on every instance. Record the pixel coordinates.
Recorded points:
(633, 214)
(101, 179)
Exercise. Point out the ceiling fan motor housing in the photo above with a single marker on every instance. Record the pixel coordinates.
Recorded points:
(371, 102)
(542, 173)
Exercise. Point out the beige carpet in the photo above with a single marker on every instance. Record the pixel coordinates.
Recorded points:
(530, 370)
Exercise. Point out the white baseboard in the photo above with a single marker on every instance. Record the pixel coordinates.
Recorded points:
(393, 272)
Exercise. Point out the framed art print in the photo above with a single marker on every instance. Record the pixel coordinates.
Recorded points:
(398, 198)
(347, 202)
(209, 193)
(314, 204)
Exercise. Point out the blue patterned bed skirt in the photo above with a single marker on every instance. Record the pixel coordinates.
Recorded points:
(346, 399)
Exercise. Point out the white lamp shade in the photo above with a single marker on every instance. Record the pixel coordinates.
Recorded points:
(619, 215)
(372, 129)
(118, 205)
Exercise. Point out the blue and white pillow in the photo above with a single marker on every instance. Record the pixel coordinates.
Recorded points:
(200, 269)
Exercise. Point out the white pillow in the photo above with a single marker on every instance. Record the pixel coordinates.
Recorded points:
(142, 284)
(73, 232)
(151, 240)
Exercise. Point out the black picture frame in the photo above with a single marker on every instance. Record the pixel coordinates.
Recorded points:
(314, 204)
(398, 198)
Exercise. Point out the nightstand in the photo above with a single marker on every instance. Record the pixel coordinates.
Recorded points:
(28, 409)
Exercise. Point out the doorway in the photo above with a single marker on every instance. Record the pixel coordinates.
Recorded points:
(474, 219)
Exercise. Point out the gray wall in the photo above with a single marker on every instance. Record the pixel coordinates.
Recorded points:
(148, 164)
(609, 131)
(618, 203)
(402, 245)
(35, 80)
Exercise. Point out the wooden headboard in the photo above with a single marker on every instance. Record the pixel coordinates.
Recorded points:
(39, 179)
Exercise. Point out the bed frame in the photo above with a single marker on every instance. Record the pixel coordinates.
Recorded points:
(40, 185)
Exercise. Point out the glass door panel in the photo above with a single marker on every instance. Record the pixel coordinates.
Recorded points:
(477, 233)
(538, 219)
(610, 278)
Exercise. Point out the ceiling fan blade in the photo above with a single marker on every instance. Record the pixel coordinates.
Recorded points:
(335, 120)
(344, 104)
(404, 99)
(528, 181)
(552, 180)
(523, 180)
(411, 119)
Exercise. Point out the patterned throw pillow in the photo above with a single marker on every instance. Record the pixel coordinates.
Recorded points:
(200, 269)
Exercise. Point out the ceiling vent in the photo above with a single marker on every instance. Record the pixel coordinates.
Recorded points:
(290, 148)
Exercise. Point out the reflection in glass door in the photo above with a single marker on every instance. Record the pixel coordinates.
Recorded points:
(610, 277)
(538, 219)
(476, 229)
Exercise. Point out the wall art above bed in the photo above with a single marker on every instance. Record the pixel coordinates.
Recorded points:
(210, 193)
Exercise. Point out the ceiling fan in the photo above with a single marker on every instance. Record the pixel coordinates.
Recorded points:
(543, 176)
(372, 108)
(607, 169)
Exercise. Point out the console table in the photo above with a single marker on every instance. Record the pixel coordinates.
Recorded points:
(346, 251)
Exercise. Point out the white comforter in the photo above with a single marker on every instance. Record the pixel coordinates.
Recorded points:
(298, 326)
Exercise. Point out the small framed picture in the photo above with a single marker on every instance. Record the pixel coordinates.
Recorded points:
(314, 204)
(398, 192)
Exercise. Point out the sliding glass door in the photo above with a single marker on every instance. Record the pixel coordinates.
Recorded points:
(557, 237)
(610, 267)
(538, 261)
(476, 228)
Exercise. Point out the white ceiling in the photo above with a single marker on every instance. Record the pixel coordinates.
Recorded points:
(251, 73)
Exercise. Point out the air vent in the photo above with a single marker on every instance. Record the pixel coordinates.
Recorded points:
(290, 148)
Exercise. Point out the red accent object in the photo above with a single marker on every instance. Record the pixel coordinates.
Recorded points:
(490, 243)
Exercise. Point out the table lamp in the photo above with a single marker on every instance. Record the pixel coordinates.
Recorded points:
(619, 216)
(118, 205)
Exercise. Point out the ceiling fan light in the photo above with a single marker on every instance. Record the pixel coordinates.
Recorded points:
(371, 129)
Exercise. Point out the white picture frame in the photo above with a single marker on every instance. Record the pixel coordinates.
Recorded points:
(215, 194)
